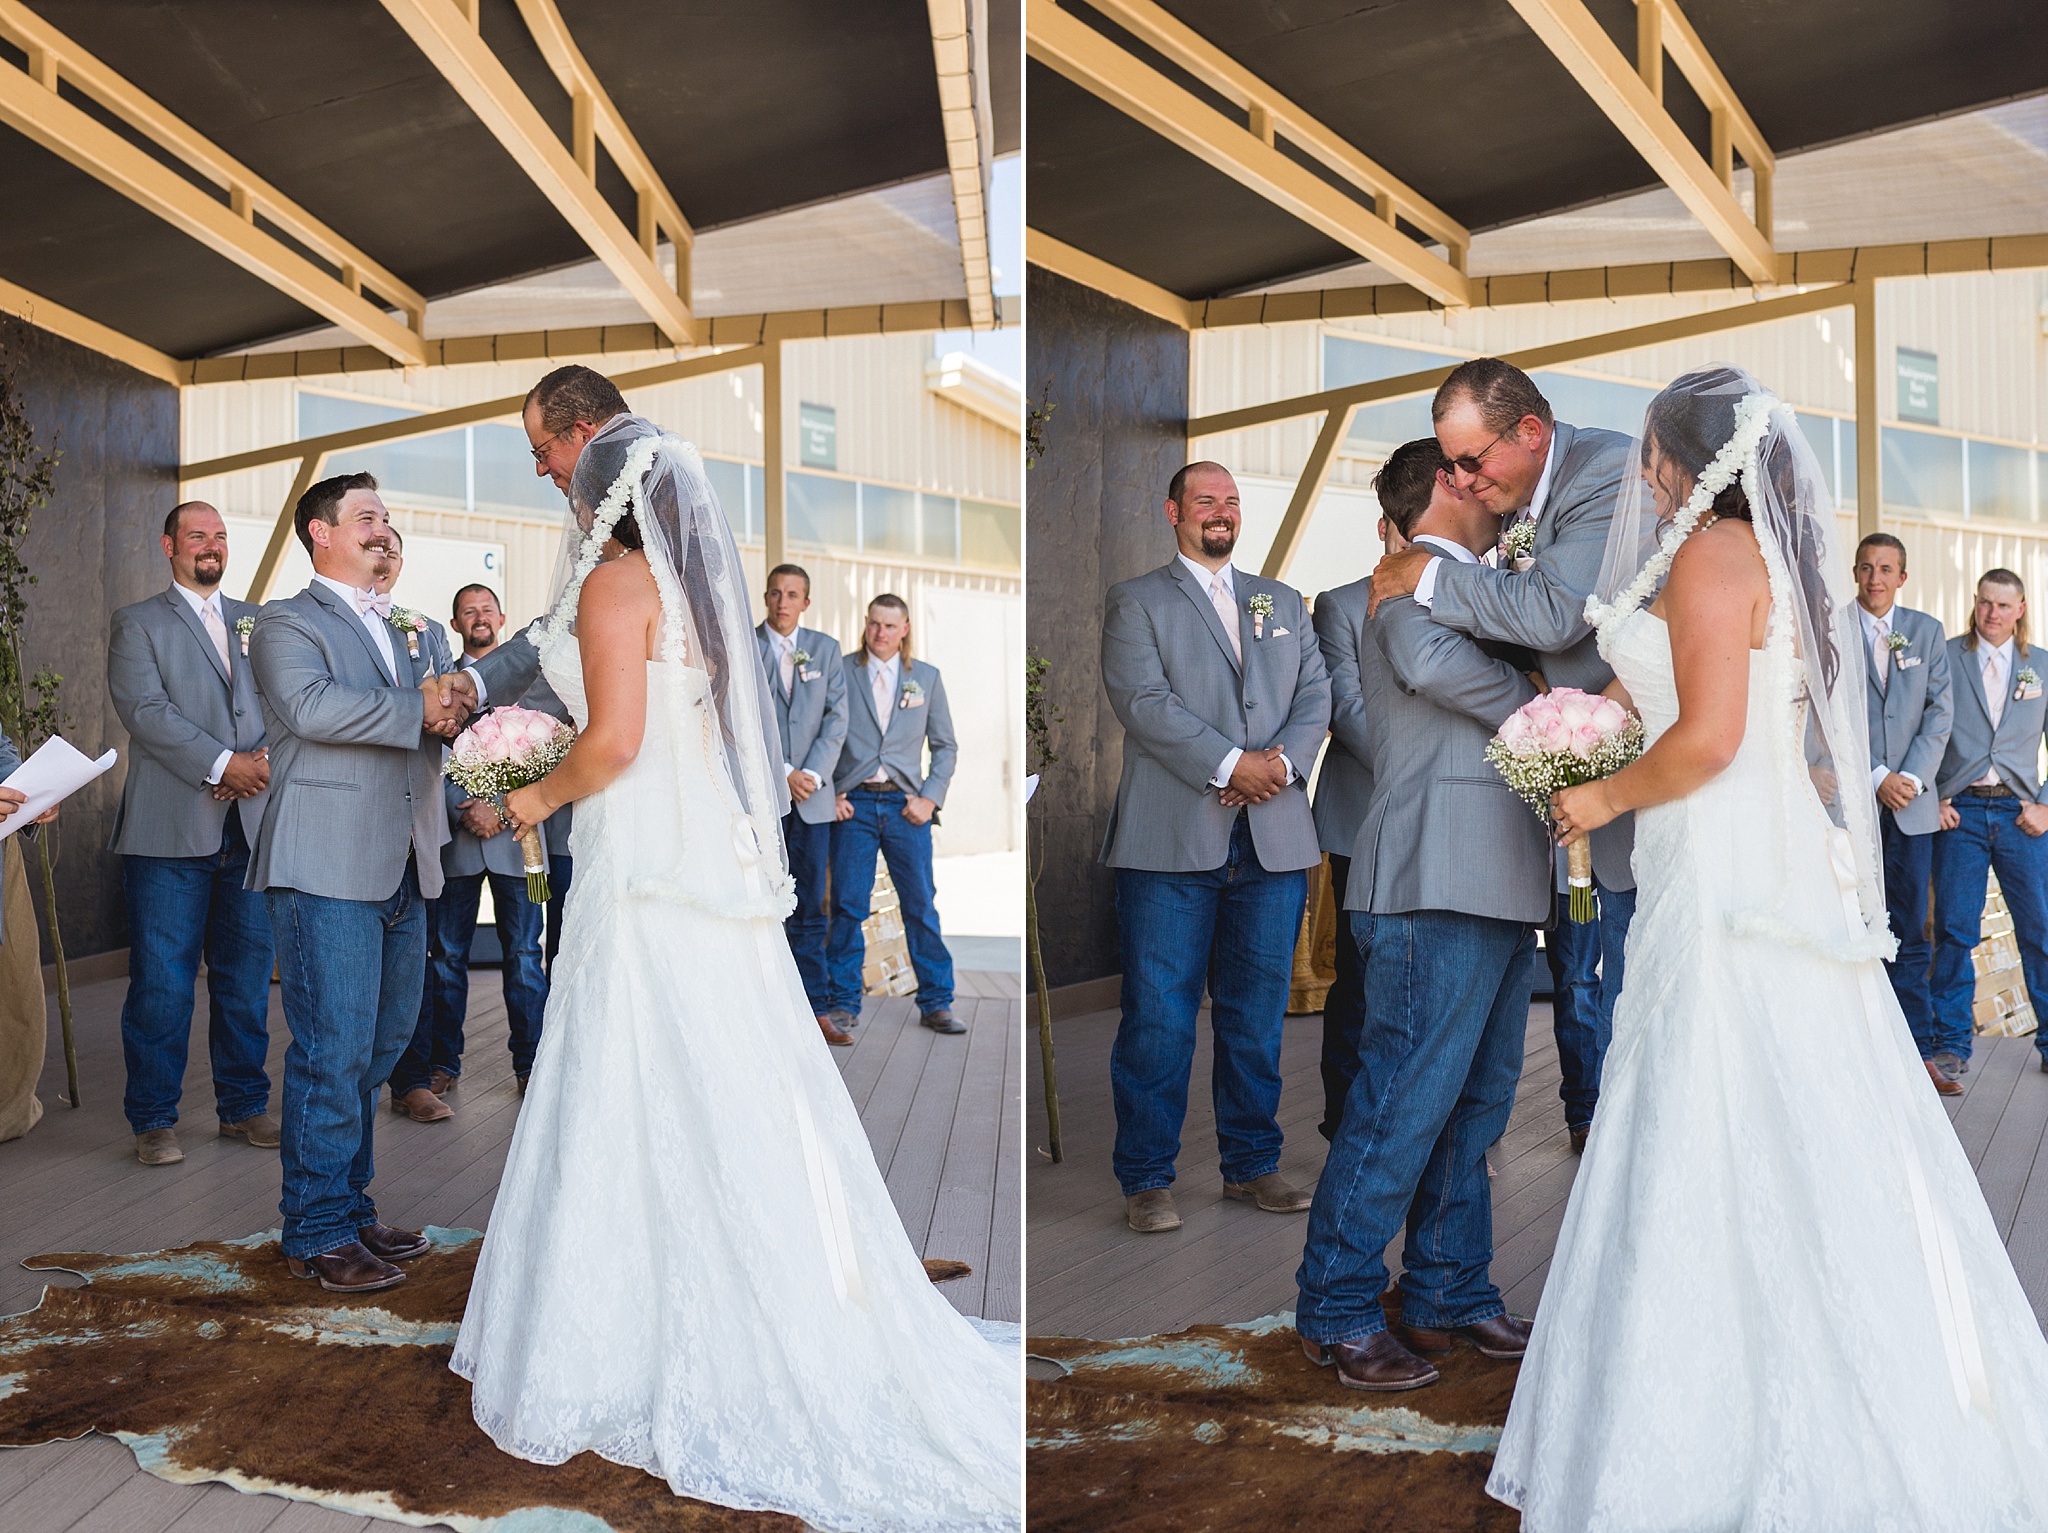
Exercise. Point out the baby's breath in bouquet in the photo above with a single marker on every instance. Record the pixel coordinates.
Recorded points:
(1560, 739)
(505, 749)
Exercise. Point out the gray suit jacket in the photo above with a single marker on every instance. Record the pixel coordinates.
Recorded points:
(1911, 713)
(1344, 785)
(2014, 749)
(1545, 609)
(355, 782)
(1444, 831)
(1176, 688)
(181, 709)
(897, 749)
(811, 720)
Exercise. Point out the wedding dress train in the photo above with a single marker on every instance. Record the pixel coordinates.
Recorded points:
(1778, 1302)
(693, 1265)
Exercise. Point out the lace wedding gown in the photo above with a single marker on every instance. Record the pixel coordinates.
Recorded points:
(693, 1265)
(1778, 1302)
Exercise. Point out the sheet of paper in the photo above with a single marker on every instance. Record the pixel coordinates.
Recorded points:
(57, 770)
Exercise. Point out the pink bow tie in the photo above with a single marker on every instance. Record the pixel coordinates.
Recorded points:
(370, 601)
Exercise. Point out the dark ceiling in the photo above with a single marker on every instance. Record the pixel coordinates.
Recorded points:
(1460, 100)
(746, 107)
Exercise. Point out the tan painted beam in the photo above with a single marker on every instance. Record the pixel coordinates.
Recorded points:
(1273, 115)
(1315, 474)
(456, 48)
(40, 114)
(1714, 321)
(33, 309)
(1097, 65)
(285, 528)
(1677, 37)
(1869, 460)
(599, 341)
(960, 55)
(507, 408)
(1079, 266)
(572, 69)
(774, 474)
(1582, 45)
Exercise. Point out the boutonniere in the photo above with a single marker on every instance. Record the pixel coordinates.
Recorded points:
(912, 696)
(1260, 606)
(2026, 685)
(1518, 545)
(410, 623)
(1895, 641)
(244, 626)
(800, 658)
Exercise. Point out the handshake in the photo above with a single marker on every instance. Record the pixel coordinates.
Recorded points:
(450, 699)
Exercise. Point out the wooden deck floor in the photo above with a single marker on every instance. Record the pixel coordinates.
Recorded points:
(1092, 1276)
(941, 1114)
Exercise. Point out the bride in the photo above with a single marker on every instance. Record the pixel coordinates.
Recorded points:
(1778, 1301)
(693, 1265)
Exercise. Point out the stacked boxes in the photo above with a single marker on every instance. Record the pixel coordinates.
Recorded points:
(2002, 1008)
(887, 970)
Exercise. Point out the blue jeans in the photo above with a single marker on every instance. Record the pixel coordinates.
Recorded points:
(560, 867)
(444, 1000)
(1585, 978)
(352, 972)
(178, 909)
(878, 826)
(1447, 1004)
(810, 858)
(1989, 837)
(1234, 928)
(1908, 868)
(1343, 1011)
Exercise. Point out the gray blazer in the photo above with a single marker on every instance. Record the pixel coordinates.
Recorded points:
(1444, 831)
(1911, 712)
(2014, 749)
(355, 781)
(811, 719)
(1175, 686)
(181, 709)
(897, 749)
(510, 670)
(1545, 609)
(1344, 785)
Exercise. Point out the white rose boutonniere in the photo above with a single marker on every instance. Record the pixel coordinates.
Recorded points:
(410, 623)
(912, 695)
(1260, 606)
(244, 626)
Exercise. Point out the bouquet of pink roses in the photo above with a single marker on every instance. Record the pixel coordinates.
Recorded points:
(505, 749)
(1560, 739)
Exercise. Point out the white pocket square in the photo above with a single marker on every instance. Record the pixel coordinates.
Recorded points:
(1279, 633)
(1907, 665)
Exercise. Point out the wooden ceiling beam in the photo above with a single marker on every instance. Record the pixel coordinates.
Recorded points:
(960, 54)
(33, 309)
(1079, 266)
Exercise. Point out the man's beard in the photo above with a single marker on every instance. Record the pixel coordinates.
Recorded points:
(208, 572)
(480, 636)
(1218, 540)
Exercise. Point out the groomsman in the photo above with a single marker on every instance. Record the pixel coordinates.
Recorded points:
(349, 852)
(1992, 814)
(807, 677)
(198, 780)
(1217, 678)
(479, 848)
(1344, 782)
(1509, 452)
(1910, 709)
(886, 798)
(1450, 875)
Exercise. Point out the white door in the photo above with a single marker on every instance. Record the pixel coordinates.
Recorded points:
(976, 639)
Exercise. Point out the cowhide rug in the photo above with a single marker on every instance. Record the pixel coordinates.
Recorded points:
(1230, 1427)
(212, 1362)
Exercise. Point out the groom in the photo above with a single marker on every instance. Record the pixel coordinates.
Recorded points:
(348, 853)
(1508, 451)
(1449, 876)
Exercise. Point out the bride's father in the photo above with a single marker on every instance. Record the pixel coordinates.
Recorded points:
(1508, 451)
(1218, 681)
(1450, 875)
(348, 854)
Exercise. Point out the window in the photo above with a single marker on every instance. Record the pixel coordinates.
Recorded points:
(1597, 401)
(505, 481)
(888, 520)
(824, 512)
(729, 484)
(1820, 436)
(472, 468)
(941, 527)
(991, 534)
(1376, 428)
(1922, 472)
(2001, 482)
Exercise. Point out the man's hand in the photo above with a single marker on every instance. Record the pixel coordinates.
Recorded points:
(2034, 818)
(448, 702)
(919, 811)
(481, 819)
(1896, 792)
(1949, 818)
(841, 810)
(800, 786)
(11, 799)
(1397, 575)
(1257, 776)
(247, 773)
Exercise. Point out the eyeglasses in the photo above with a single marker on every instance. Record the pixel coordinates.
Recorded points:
(540, 453)
(1473, 464)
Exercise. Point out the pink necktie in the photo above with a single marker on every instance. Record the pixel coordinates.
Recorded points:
(1219, 598)
(878, 679)
(1994, 685)
(1881, 655)
(217, 631)
(788, 649)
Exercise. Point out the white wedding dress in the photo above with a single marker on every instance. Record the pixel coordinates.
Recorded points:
(1778, 1303)
(693, 1265)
